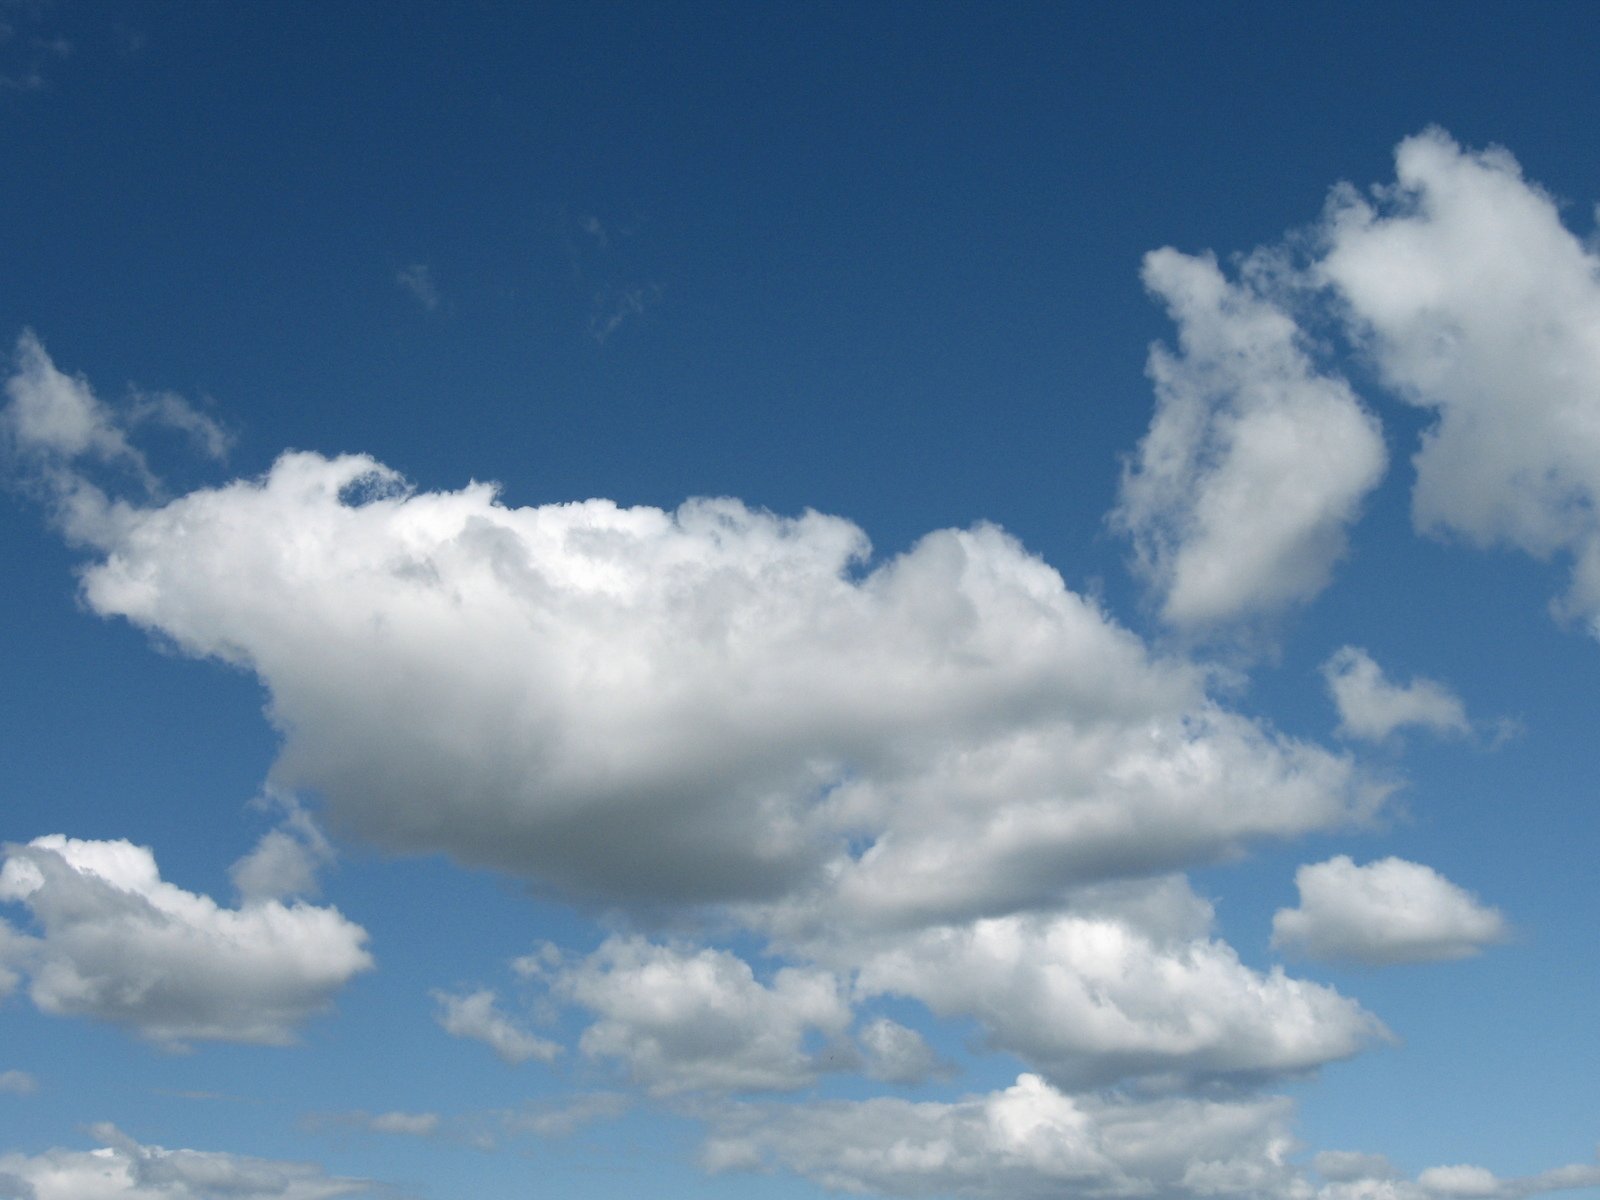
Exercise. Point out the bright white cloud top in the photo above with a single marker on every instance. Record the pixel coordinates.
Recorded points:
(1482, 307)
(838, 826)
(1390, 911)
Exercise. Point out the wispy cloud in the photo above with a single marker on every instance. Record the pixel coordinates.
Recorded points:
(417, 279)
(613, 309)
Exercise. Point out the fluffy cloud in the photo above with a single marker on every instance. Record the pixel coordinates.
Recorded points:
(1089, 1000)
(895, 1054)
(286, 860)
(1390, 911)
(683, 1019)
(1372, 707)
(118, 943)
(708, 704)
(1027, 1142)
(1255, 462)
(475, 1015)
(122, 1169)
(1478, 304)
(55, 415)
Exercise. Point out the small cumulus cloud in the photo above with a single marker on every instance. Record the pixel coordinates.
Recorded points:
(1389, 911)
(118, 943)
(1255, 463)
(1372, 707)
(287, 860)
(477, 1016)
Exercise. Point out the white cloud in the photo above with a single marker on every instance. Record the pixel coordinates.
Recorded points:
(1033, 1142)
(1390, 911)
(697, 1019)
(1372, 707)
(119, 944)
(122, 1169)
(1090, 1000)
(1255, 462)
(18, 1083)
(475, 1015)
(1478, 304)
(707, 704)
(895, 1054)
(53, 418)
(1028, 1142)
(286, 860)
(55, 414)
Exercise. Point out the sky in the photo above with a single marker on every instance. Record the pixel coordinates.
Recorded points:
(990, 601)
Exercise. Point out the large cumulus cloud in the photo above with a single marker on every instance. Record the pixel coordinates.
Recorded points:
(706, 704)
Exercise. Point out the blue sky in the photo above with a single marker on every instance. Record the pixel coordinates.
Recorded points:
(986, 601)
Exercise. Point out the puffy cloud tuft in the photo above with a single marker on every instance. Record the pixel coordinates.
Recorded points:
(1479, 305)
(119, 944)
(1372, 707)
(1390, 911)
(1255, 462)
(475, 1015)
(895, 1054)
(682, 1019)
(1088, 1001)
